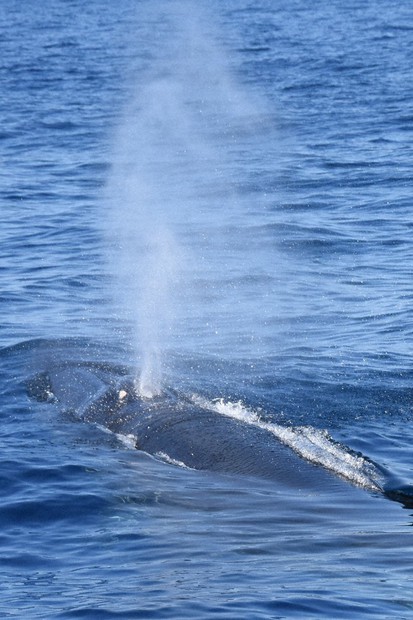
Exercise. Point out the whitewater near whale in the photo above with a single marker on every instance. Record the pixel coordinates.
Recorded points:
(192, 432)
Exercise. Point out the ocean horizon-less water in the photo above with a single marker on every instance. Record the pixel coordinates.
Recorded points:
(216, 203)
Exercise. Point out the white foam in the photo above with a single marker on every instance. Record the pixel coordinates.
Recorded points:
(128, 440)
(314, 445)
(168, 459)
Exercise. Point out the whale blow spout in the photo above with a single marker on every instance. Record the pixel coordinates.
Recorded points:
(149, 383)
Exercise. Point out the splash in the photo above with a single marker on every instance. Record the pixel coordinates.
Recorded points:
(314, 445)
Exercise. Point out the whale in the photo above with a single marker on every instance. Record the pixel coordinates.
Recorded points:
(190, 433)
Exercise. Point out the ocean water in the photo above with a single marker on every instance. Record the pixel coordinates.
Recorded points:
(215, 197)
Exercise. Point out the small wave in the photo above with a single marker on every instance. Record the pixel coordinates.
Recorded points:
(129, 441)
(314, 445)
(167, 459)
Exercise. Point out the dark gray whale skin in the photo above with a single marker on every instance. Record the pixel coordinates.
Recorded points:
(174, 426)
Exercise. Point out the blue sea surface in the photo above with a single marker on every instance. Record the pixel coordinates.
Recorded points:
(220, 198)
